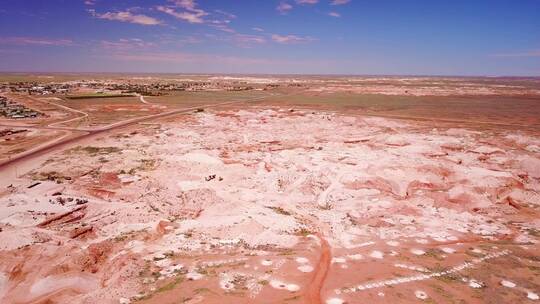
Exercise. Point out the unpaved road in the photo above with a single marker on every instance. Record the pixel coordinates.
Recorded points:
(141, 98)
(83, 114)
(88, 133)
(313, 293)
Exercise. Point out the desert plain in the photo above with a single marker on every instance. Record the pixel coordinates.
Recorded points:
(269, 189)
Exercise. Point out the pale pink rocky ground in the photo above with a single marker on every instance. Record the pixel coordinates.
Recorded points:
(231, 207)
(423, 86)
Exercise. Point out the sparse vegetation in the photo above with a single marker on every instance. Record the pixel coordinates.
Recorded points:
(534, 232)
(98, 95)
(94, 151)
(303, 232)
(171, 285)
(279, 210)
(287, 252)
(50, 176)
(202, 290)
(434, 253)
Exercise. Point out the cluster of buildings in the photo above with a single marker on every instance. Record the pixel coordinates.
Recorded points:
(126, 86)
(15, 110)
(34, 88)
(148, 89)
(155, 89)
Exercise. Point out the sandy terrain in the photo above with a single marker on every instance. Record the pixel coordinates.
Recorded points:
(430, 86)
(261, 204)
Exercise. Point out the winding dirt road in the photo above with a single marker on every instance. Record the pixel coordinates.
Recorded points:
(93, 132)
(141, 98)
(82, 116)
(313, 290)
(81, 134)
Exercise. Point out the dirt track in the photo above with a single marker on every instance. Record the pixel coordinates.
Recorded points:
(92, 133)
(313, 290)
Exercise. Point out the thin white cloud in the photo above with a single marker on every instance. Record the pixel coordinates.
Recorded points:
(127, 16)
(226, 14)
(190, 12)
(125, 44)
(2, 51)
(186, 4)
(188, 16)
(168, 39)
(307, 1)
(257, 29)
(222, 27)
(284, 8)
(35, 41)
(339, 2)
(190, 40)
(177, 57)
(250, 38)
(334, 14)
(291, 39)
(187, 10)
(244, 40)
(533, 53)
(212, 63)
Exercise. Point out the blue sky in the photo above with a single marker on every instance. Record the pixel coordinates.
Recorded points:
(472, 37)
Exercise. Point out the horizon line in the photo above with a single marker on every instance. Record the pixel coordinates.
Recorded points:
(273, 74)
